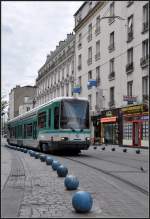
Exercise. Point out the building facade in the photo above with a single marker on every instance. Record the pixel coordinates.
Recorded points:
(112, 66)
(16, 99)
(27, 105)
(56, 76)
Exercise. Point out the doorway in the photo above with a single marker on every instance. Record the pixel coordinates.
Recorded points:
(136, 134)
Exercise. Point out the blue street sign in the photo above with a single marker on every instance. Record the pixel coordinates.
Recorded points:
(91, 83)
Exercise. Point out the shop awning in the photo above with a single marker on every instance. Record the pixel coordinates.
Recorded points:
(108, 119)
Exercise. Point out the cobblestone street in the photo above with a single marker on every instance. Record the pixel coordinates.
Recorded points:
(38, 191)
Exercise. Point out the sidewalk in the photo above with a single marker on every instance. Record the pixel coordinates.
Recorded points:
(5, 163)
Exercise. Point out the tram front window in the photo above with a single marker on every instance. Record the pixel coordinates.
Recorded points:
(74, 114)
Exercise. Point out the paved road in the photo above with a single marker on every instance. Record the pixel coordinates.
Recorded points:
(33, 189)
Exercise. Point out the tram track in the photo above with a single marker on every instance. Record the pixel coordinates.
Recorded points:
(136, 187)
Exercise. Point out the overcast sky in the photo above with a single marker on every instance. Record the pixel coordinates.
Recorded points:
(30, 30)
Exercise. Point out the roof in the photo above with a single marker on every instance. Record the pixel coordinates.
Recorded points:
(34, 110)
(80, 8)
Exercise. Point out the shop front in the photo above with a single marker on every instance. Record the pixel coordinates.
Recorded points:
(135, 125)
(97, 129)
(111, 126)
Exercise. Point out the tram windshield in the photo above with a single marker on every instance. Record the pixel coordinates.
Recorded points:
(74, 114)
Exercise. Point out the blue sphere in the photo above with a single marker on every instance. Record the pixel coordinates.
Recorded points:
(32, 153)
(82, 202)
(55, 164)
(36, 155)
(71, 182)
(62, 171)
(42, 157)
(49, 160)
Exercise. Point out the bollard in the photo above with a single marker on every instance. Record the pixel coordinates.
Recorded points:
(36, 155)
(55, 164)
(124, 150)
(138, 151)
(95, 147)
(71, 182)
(42, 157)
(62, 171)
(82, 201)
(49, 160)
(103, 148)
(113, 149)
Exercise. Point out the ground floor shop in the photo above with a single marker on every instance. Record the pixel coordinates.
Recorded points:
(135, 125)
(128, 126)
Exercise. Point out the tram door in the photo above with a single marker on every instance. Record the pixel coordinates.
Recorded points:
(34, 129)
(136, 134)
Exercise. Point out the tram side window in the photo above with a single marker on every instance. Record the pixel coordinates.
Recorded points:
(56, 117)
(49, 118)
(24, 131)
(29, 129)
(42, 120)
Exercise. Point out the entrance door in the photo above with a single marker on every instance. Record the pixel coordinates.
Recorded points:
(136, 134)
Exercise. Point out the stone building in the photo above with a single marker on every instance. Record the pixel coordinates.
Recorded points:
(111, 53)
(56, 76)
(16, 99)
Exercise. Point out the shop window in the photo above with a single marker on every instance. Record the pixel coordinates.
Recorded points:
(127, 131)
(145, 131)
(42, 120)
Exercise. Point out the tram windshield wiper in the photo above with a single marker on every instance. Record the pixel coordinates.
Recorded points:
(72, 129)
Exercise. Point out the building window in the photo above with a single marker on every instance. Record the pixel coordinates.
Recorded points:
(89, 75)
(97, 56)
(112, 12)
(111, 65)
(145, 18)
(129, 66)
(145, 130)
(28, 108)
(89, 38)
(130, 29)
(79, 42)
(97, 30)
(90, 101)
(129, 88)
(79, 62)
(42, 120)
(145, 55)
(127, 130)
(111, 43)
(98, 75)
(80, 81)
(112, 102)
(145, 88)
(89, 61)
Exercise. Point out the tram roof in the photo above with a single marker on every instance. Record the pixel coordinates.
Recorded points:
(34, 110)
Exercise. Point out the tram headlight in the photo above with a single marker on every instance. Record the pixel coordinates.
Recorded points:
(64, 138)
(87, 138)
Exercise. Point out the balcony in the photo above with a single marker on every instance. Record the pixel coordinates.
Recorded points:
(129, 3)
(79, 45)
(79, 67)
(89, 61)
(97, 31)
(144, 27)
(97, 56)
(111, 76)
(111, 47)
(111, 103)
(130, 36)
(89, 38)
(144, 61)
(129, 68)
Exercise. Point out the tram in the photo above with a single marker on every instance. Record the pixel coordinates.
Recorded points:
(60, 124)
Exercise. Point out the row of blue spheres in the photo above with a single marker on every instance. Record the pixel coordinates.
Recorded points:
(81, 201)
